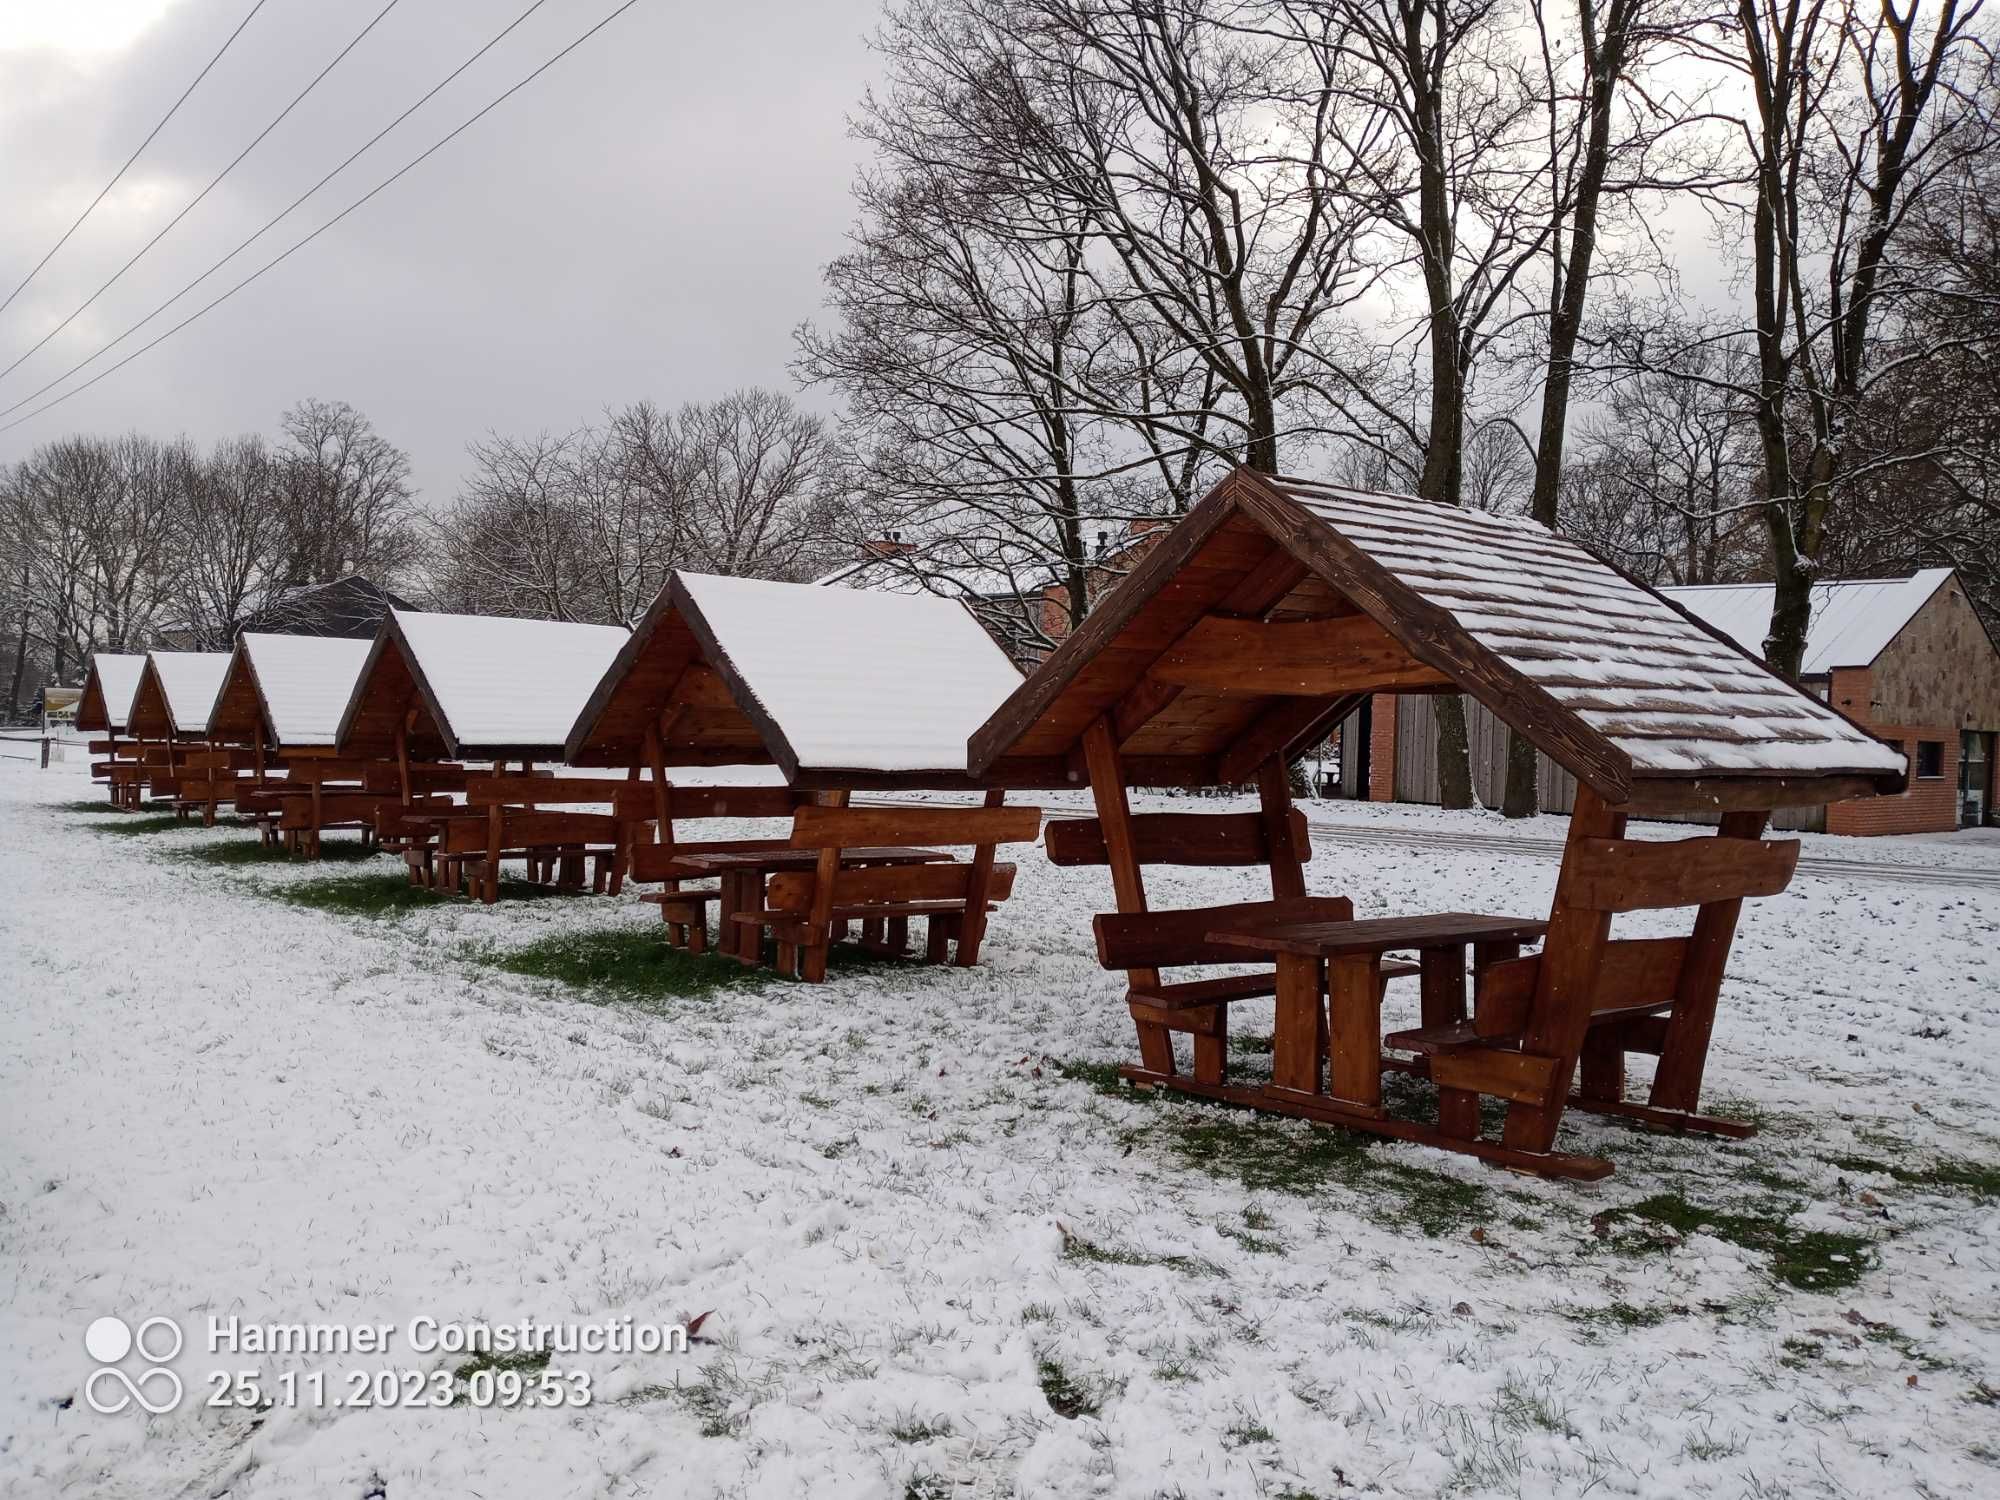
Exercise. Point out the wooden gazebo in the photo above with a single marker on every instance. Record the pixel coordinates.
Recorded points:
(169, 713)
(493, 689)
(841, 690)
(107, 698)
(1251, 629)
(279, 705)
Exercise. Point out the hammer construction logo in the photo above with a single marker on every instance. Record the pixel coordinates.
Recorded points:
(110, 1390)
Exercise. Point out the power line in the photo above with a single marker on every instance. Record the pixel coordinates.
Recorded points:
(297, 99)
(133, 157)
(277, 218)
(300, 244)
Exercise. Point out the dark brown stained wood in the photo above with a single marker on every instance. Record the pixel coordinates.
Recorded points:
(853, 827)
(1522, 1077)
(1618, 875)
(1148, 699)
(520, 829)
(1128, 881)
(485, 791)
(736, 801)
(652, 862)
(1172, 839)
(981, 890)
(790, 891)
(1698, 981)
(1176, 939)
(1296, 1023)
(1288, 853)
(1435, 639)
(1633, 973)
(1354, 1026)
(1699, 794)
(1295, 658)
(1565, 979)
(1285, 730)
(1330, 939)
(318, 770)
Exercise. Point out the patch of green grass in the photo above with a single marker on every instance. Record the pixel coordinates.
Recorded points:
(524, 1362)
(91, 805)
(358, 895)
(1244, 1434)
(1250, 1044)
(633, 964)
(133, 824)
(1813, 1260)
(915, 1429)
(1265, 1153)
(925, 1485)
(1076, 1247)
(1980, 1180)
(257, 852)
(1801, 1352)
(1624, 1315)
(1066, 1396)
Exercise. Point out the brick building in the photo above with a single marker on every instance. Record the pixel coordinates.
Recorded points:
(1907, 659)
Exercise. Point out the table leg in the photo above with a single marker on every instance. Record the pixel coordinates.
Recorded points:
(1443, 1000)
(1295, 1050)
(1354, 1003)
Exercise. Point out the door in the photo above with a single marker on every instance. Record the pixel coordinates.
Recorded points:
(1975, 778)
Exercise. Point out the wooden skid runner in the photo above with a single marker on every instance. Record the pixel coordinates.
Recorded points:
(1559, 1164)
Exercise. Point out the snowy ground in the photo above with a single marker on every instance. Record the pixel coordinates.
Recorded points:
(924, 1223)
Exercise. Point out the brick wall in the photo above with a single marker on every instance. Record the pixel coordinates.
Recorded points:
(1382, 748)
(1931, 803)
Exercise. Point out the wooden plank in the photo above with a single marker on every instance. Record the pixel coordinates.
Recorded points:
(1354, 1013)
(1521, 1077)
(1276, 817)
(792, 890)
(1619, 875)
(535, 791)
(1373, 935)
(1286, 729)
(1173, 839)
(1698, 983)
(737, 801)
(1128, 881)
(1299, 658)
(1175, 939)
(1295, 1038)
(856, 827)
(1653, 796)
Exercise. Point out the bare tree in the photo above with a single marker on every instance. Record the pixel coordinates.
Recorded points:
(349, 504)
(229, 551)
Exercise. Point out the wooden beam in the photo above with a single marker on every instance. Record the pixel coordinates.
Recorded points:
(1274, 797)
(1147, 699)
(1301, 658)
(1279, 730)
(1723, 794)
(1615, 874)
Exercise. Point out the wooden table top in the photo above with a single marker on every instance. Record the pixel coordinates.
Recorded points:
(783, 857)
(1378, 934)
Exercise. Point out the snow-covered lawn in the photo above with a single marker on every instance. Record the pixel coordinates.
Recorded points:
(943, 1256)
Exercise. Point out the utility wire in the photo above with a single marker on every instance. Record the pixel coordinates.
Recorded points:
(297, 99)
(132, 158)
(276, 219)
(300, 244)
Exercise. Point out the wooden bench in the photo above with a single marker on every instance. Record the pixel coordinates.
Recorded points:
(516, 824)
(684, 907)
(806, 912)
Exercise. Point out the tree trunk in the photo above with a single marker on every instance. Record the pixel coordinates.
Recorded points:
(1454, 753)
(1523, 795)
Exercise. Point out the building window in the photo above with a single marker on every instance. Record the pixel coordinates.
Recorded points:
(1930, 759)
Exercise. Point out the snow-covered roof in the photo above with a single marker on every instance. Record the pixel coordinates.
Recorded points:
(188, 682)
(1609, 678)
(108, 690)
(1852, 620)
(854, 678)
(496, 682)
(303, 683)
(823, 681)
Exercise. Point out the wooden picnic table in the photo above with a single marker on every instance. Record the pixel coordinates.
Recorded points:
(741, 873)
(1350, 953)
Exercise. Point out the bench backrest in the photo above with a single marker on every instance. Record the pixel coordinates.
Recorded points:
(1175, 839)
(794, 890)
(914, 824)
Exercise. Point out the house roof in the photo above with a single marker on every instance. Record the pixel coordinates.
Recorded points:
(1265, 614)
(1853, 620)
(108, 690)
(836, 686)
(485, 686)
(176, 691)
(296, 685)
(352, 607)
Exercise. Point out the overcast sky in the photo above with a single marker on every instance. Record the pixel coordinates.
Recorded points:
(648, 218)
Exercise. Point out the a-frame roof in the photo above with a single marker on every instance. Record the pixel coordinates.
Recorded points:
(1265, 614)
(296, 685)
(835, 686)
(486, 687)
(108, 690)
(1853, 619)
(175, 693)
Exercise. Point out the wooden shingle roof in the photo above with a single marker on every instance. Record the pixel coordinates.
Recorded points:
(1266, 613)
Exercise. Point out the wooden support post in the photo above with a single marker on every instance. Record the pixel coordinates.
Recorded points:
(1566, 986)
(1297, 1033)
(1442, 998)
(978, 887)
(1354, 999)
(1128, 884)
(1677, 1080)
(495, 823)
